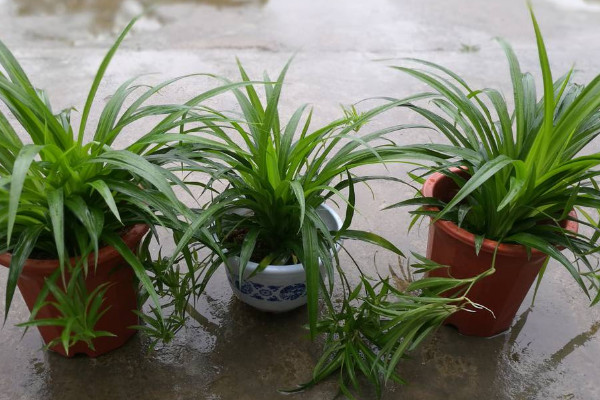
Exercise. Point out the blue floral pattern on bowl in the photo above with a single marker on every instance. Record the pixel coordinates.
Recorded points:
(271, 292)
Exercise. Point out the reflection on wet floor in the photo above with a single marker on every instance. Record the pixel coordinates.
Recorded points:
(104, 12)
(31, 7)
(228, 350)
(588, 5)
(514, 365)
(539, 376)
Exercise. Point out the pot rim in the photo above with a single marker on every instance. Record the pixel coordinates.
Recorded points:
(488, 245)
(105, 254)
(293, 268)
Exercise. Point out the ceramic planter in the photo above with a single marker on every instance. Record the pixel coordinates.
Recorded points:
(502, 292)
(121, 296)
(278, 288)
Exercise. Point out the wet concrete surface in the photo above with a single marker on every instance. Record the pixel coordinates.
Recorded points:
(232, 351)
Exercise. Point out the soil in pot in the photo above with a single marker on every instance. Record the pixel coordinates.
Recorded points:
(261, 249)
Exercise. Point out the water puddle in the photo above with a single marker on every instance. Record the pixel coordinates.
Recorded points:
(108, 15)
(582, 5)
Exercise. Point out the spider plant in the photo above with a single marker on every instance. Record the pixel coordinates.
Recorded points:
(523, 168)
(379, 323)
(267, 180)
(279, 173)
(63, 196)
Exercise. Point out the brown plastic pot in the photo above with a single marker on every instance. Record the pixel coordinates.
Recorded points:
(120, 298)
(502, 292)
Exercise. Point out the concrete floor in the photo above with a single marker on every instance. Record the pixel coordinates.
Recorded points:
(232, 351)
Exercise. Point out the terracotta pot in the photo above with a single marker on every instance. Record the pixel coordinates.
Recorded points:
(121, 296)
(502, 292)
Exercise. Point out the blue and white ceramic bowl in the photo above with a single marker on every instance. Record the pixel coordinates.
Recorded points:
(278, 288)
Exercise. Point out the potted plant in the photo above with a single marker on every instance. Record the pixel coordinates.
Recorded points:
(504, 189)
(73, 211)
(269, 182)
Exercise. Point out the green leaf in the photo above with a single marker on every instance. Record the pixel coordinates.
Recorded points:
(246, 253)
(463, 210)
(516, 186)
(546, 135)
(98, 78)
(22, 250)
(350, 208)
(57, 216)
(20, 170)
(254, 99)
(536, 242)
(288, 136)
(418, 201)
(65, 336)
(299, 193)
(131, 259)
(272, 167)
(92, 220)
(482, 175)
(518, 92)
(372, 238)
(103, 190)
(539, 280)
(137, 165)
(310, 261)
(478, 243)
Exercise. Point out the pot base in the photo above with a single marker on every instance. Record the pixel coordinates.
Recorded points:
(101, 346)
